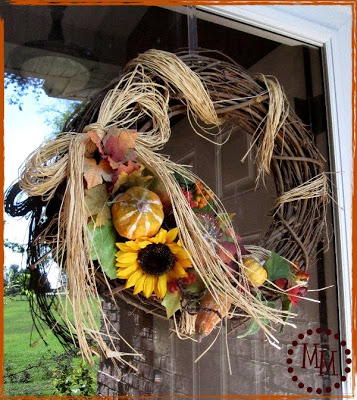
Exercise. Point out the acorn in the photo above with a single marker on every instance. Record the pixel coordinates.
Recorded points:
(210, 314)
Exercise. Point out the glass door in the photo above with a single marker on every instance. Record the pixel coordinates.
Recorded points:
(256, 366)
(77, 51)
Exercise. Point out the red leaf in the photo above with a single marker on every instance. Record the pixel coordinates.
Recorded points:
(230, 248)
(119, 145)
(292, 293)
(296, 291)
(282, 283)
(128, 168)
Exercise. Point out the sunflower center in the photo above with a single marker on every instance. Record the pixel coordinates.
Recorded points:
(156, 259)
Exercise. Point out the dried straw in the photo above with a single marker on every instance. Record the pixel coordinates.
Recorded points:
(46, 167)
(187, 324)
(278, 111)
(314, 187)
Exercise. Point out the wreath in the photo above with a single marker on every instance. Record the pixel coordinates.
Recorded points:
(125, 222)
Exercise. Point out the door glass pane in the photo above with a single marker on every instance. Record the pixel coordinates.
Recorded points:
(79, 50)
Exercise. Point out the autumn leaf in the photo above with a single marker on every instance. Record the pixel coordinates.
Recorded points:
(121, 179)
(126, 168)
(103, 217)
(94, 173)
(133, 177)
(94, 143)
(96, 199)
(119, 145)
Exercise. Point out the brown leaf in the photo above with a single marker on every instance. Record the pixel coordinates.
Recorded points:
(119, 145)
(94, 173)
(94, 142)
(129, 167)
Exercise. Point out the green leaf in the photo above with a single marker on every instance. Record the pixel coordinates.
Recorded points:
(277, 267)
(184, 181)
(172, 303)
(271, 304)
(103, 249)
(195, 287)
(253, 328)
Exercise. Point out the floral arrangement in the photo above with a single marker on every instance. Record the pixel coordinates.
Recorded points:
(135, 238)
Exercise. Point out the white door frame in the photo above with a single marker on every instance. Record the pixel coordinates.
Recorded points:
(329, 27)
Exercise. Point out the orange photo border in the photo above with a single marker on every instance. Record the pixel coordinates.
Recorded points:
(353, 5)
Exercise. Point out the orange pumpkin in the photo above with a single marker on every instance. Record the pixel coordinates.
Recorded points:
(137, 213)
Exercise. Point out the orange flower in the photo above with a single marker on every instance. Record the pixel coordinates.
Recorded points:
(301, 278)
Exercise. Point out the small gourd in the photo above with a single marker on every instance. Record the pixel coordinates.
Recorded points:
(255, 273)
(137, 213)
(210, 314)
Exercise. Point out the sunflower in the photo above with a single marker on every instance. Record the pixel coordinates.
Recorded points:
(149, 264)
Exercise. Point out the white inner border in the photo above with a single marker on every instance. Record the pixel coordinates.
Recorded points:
(328, 27)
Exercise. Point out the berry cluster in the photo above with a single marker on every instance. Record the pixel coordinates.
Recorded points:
(198, 196)
(173, 286)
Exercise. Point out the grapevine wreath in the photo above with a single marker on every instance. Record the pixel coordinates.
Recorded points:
(124, 221)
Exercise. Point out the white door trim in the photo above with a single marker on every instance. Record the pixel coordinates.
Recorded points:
(329, 27)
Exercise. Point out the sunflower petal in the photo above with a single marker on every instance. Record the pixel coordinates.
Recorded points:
(178, 272)
(149, 285)
(133, 278)
(140, 284)
(142, 244)
(128, 246)
(122, 246)
(127, 265)
(178, 251)
(171, 235)
(127, 257)
(173, 275)
(184, 262)
(124, 273)
(160, 237)
(161, 286)
(133, 245)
